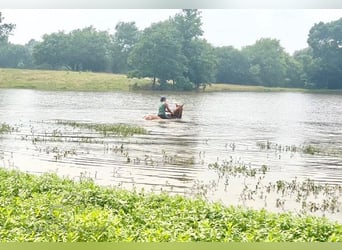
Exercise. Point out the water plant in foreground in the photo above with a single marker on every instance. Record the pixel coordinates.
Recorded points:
(5, 128)
(48, 208)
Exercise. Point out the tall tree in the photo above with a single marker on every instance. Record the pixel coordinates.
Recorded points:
(51, 52)
(125, 37)
(5, 29)
(188, 22)
(81, 49)
(267, 60)
(202, 63)
(325, 39)
(232, 66)
(306, 62)
(88, 49)
(15, 56)
(158, 54)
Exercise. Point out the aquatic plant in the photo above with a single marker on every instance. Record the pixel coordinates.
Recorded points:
(5, 128)
(107, 129)
(306, 149)
(48, 208)
(310, 149)
(232, 168)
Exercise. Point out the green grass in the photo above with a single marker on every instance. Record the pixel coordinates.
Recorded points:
(108, 129)
(66, 80)
(89, 81)
(220, 87)
(48, 208)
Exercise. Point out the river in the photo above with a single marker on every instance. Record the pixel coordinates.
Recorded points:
(296, 136)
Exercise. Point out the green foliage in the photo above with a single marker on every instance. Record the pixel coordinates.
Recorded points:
(325, 39)
(267, 58)
(175, 57)
(50, 209)
(5, 29)
(15, 56)
(125, 37)
(78, 50)
(232, 66)
(5, 128)
(158, 53)
(108, 129)
(310, 149)
(200, 63)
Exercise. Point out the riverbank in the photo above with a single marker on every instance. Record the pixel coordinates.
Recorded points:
(48, 208)
(89, 81)
(66, 80)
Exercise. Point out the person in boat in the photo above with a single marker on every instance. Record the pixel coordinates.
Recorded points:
(164, 111)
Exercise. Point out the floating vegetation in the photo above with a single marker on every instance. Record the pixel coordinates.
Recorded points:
(236, 168)
(306, 149)
(312, 196)
(107, 129)
(309, 149)
(5, 128)
(177, 159)
(47, 208)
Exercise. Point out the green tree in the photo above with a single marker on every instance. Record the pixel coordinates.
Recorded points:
(81, 49)
(325, 39)
(268, 62)
(198, 63)
(51, 52)
(124, 39)
(5, 29)
(232, 66)
(88, 49)
(306, 62)
(158, 54)
(202, 63)
(15, 56)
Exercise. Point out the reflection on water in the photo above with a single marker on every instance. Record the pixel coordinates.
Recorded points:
(174, 156)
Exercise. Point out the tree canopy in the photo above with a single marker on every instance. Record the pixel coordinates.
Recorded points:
(325, 39)
(5, 29)
(175, 56)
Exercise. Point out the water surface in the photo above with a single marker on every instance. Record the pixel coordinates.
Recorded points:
(174, 155)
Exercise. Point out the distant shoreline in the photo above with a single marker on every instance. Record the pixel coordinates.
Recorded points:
(106, 82)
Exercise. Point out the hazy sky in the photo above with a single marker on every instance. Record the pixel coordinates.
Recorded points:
(236, 27)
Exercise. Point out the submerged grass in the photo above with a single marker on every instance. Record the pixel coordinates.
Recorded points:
(48, 208)
(107, 129)
(5, 128)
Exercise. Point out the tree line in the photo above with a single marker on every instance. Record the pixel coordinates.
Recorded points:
(175, 56)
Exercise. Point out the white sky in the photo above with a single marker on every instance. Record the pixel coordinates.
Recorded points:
(235, 27)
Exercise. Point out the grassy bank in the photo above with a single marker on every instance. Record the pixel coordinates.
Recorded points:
(66, 80)
(88, 81)
(48, 208)
(248, 88)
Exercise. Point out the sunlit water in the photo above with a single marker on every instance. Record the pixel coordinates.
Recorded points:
(174, 155)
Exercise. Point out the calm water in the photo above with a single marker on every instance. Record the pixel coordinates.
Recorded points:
(174, 155)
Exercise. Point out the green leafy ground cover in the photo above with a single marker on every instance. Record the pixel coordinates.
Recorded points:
(48, 208)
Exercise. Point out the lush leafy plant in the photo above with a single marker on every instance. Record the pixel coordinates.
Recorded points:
(47, 208)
